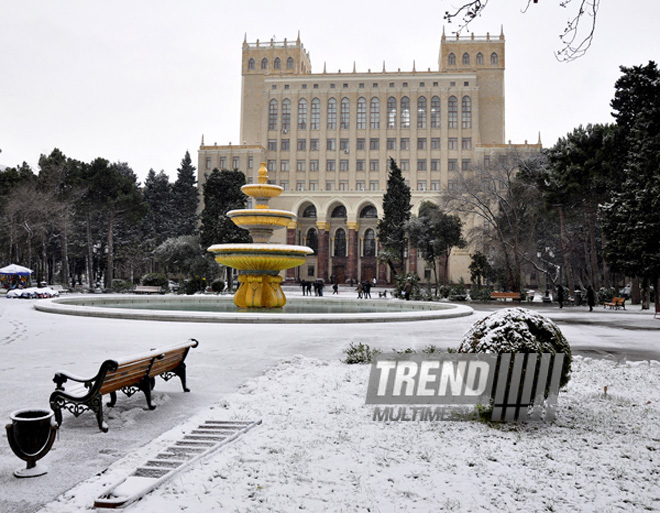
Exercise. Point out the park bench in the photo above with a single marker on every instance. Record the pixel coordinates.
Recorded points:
(616, 303)
(130, 375)
(513, 296)
(147, 289)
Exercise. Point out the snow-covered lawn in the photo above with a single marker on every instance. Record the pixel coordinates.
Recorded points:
(319, 450)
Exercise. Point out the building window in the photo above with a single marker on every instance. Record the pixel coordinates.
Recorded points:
(223, 162)
(452, 165)
(302, 144)
(272, 165)
(315, 121)
(286, 114)
(313, 145)
(361, 114)
(309, 212)
(235, 163)
(250, 162)
(405, 165)
(208, 162)
(329, 185)
(289, 63)
(466, 112)
(343, 185)
(373, 165)
(251, 64)
(264, 63)
(339, 212)
(343, 165)
(360, 143)
(272, 144)
(391, 143)
(284, 184)
(421, 185)
(369, 212)
(359, 185)
(300, 185)
(466, 59)
(405, 112)
(435, 143)
(421, 112)
(369, 243)
(374, 114)
(435, 164)
(276, 64)
(493, 59)
(421, 164)
(359, 165)
(361, 86)
(452, 112)
(391, 112)
(312, 242)
(340, 243)
(466, 143)
(373, 185)
(466, 165)
(302, 114)
(435, 112)
(435, 185)
(314, 165)
(300, 166)
(344, 145)
(421, 143)
(331, 165)
(284, 166)
(374, 144)
(331, 144)
(313, 185)
(480, 58)
(345, 114)
(452, 143)
(486, 161)
(285, 145)
(272, 115)
(332, 114)
(451, 59)
(404, 144)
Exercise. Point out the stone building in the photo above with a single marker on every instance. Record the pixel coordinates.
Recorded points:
(326, 139)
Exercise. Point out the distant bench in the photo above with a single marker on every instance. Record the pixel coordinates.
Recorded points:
(147, 289)
(130, 375)
(513, 296)
(616, 303)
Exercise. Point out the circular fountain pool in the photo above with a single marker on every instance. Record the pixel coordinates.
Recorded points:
(221, 309)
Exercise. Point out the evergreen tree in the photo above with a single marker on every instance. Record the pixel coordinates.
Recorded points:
(396, 213)
(159, 222)
(186, 199)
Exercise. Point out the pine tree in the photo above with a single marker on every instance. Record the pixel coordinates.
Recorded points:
(186, 199)
(396, 213)
(159, 222)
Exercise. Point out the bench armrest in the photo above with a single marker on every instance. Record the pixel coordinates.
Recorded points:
(62, 377)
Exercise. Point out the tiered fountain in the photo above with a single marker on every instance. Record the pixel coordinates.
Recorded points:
(260, 263)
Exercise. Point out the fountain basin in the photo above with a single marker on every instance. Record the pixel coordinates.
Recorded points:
(260, 257)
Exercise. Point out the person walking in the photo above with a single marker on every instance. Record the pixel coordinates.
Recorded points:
(407, 289)
(366, 287)
(560, 296)
(359, 290)
(591, 298)
(335, 288)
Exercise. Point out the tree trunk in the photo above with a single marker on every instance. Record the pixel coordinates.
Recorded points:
(634, 292)
(587, 259)
(65, 251)
(90, 254)
(109, 275)
(564, 250)
(592, 239)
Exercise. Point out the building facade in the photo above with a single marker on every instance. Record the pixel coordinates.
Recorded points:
(326, 139)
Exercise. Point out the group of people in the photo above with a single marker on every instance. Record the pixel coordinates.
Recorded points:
(363, 289)
(591, 297)
(317, 285)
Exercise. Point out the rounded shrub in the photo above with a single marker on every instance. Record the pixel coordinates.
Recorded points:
(155, 280)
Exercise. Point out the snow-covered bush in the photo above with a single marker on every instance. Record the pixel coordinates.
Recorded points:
(518, 330)
(155, 280)
(359, 353)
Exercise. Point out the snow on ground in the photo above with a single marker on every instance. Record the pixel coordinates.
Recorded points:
(319, 450)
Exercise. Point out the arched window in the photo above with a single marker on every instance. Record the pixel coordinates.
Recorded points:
(391, 112)
(480, 58)
(272, 115)
(286, 114)
(345, 114)
(310, 211)
(339, 212)
(451, 59)
(251, 64)
(340, 243)
(361, 114)
(276, 64)
(466, 59)
(493, 59)
(302, 114)
(369, 243)
(369, 212)
(405, 112)
(421, 112)
(452, 112)
(264, 63)
(289, 63)
(435, 112)
(374, 114)
(466, 112)
(312, 240)
(332, 114)
(315, 120)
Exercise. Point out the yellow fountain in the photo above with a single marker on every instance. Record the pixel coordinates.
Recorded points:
(260, 263)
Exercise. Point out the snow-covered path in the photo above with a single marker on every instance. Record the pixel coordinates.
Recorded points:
(34, 345)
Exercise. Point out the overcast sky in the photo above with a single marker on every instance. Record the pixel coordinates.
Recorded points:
(141, 81)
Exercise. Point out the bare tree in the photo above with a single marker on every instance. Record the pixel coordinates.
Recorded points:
(576, 37)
